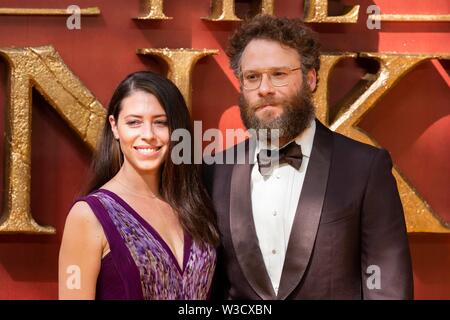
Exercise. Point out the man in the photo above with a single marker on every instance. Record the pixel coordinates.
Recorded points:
(325, 221)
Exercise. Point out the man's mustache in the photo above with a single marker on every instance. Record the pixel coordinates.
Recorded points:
(266, 101)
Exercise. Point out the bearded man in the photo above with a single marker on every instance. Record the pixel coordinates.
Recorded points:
(316, 215)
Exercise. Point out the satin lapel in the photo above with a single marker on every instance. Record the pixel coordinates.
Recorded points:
(309, 210)
(243, 232)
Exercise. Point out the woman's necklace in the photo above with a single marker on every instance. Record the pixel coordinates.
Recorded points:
(152, 196)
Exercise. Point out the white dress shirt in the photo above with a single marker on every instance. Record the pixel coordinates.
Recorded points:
(274, 203)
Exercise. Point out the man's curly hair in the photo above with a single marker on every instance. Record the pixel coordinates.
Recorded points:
(290, 32)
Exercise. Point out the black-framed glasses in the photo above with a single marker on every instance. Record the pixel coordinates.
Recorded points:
(279, 77)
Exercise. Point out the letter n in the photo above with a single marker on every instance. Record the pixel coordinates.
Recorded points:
(43, 69)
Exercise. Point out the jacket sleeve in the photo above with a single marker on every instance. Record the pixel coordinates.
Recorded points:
(385, 256)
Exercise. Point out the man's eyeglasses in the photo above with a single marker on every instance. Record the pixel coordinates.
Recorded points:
(251, 79)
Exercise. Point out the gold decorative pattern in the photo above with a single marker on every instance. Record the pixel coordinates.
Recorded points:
(43, 69)
(152, 10)
(181, 63)
(418, 214)
(317, 11)
(92, 11)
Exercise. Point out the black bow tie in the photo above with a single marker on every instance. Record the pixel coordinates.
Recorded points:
(291, 154)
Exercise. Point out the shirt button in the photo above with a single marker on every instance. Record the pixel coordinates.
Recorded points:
(275, 213)
(274, 251)
(278, 176)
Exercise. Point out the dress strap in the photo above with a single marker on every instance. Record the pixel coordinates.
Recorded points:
(122, 258)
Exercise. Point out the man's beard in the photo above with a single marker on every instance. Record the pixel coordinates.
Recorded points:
(298, 111)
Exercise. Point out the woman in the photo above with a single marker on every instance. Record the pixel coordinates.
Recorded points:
(145, 230)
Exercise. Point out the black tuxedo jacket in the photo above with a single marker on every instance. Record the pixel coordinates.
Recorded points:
(348, 239)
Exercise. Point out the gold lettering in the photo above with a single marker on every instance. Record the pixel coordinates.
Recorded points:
(43, 69)
(267, 7)
(224, 10)
(418, 214)
(320, 97)
(181, 63)
(152, 10)
(317, 11)
(93, 11)
(410, 17)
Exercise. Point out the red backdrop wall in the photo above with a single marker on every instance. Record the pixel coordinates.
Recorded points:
(412, 121)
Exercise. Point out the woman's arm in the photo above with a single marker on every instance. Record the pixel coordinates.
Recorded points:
(80, 254)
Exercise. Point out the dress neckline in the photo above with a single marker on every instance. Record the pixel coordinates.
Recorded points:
(187, 241)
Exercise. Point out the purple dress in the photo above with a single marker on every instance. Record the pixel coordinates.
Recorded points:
(140, 264)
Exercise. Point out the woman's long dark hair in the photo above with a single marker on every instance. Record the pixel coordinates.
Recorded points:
(180, 185)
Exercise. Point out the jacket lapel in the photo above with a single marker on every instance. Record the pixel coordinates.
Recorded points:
(243, 232)
(309, 210)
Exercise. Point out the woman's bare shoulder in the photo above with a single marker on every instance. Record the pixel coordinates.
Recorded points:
(81, 216)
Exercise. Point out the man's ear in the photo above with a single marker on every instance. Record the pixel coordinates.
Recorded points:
(113, 124)
(311, 77)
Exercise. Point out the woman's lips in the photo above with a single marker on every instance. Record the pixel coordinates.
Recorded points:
(147, 150)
